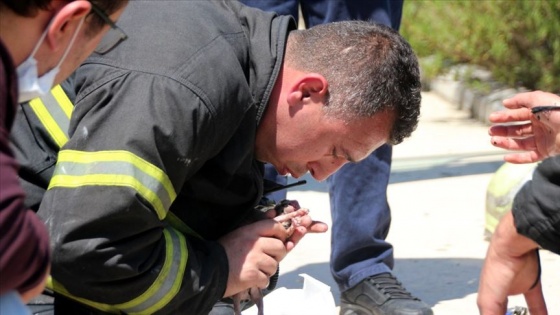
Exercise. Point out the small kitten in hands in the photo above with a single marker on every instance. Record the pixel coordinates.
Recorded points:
(290, 220)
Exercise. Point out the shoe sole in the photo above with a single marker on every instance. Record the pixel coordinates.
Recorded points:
(356, 310)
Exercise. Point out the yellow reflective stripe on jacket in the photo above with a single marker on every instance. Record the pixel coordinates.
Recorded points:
(59, 288)
(169, 281)
(164, 288)
(63, 101)
(54, 111)
(115, 168)
(178, 224)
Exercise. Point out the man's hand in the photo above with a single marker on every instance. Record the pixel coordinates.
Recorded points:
(254, 250)
(305, 223)
(511, 267)
(38, 289)
(537, 135)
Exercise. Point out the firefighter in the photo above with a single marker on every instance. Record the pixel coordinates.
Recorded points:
(163, 160)
(41, 43)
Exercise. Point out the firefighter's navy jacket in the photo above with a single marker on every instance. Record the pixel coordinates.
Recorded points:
(536, 207)
(158, 162)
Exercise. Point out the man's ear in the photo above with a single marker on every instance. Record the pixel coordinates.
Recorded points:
(65, 22)
(311, 86)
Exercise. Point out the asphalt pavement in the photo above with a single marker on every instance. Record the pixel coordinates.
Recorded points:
(437, 194)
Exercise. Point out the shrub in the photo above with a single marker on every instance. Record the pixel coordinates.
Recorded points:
(518, 41)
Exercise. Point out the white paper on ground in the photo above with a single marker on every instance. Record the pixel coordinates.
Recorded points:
(314, 298)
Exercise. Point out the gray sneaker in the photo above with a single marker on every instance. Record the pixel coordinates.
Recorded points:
(381, 294)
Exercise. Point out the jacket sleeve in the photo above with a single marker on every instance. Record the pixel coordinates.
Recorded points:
(134, 140)
(40, 129)
(536, 207)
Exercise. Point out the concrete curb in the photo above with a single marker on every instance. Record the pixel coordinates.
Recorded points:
(479, 103)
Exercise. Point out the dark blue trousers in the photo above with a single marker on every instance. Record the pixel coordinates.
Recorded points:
(358, 192)
(316, 12)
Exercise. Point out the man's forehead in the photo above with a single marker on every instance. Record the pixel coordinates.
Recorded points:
(366, 136)
(358, 148)
(362, 155)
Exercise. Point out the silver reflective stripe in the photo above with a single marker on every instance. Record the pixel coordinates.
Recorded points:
(115, 168)
(160, 293)
(168, 283)
(53, 111)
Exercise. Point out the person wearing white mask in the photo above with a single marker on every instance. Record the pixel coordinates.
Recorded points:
(41, 43)
(30, 84)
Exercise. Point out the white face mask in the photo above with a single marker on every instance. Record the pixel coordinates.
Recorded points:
(30, 85)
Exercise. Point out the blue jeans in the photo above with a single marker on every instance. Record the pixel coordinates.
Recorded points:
(358, 192)
(11, 304)
(360, 219)
(317, 12)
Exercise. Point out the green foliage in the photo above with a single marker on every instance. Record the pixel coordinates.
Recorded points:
(517, 40)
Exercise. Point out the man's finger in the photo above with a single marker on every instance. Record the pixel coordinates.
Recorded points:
(512, 115)
(522, 144)
(291, 215)
(271, 228)
(521, 158)
(512, 131)
(531, 99)
(317, 227)
(519, 100)
(535, 300)
(299, 233)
